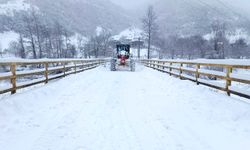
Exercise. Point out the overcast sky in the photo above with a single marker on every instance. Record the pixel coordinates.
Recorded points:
(242, 4)
(131, 4)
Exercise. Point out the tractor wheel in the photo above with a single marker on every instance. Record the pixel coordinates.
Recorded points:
(113, 65)
(132, 65)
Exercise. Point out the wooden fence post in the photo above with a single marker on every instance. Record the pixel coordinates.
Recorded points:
(158, 65)
(170, 69)
(75, 67)
(228, 81)
(13, 79)
(181, 65)
(64, 69)
(82, 67)
(87, 66)
(197, 75)
(46, 73)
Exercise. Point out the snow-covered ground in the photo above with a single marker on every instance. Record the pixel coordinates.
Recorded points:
(145, 110)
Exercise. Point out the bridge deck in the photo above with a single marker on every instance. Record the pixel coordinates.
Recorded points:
(103, 110)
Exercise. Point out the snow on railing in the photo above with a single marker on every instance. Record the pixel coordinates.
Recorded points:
(24, 73)
(218, 74)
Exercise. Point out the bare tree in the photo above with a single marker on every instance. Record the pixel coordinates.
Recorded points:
(80, 45)
(219, 30)
(150, 26)
(1, 51)
(239, 49)
(99, 44)
(22, 48)
(28, 20)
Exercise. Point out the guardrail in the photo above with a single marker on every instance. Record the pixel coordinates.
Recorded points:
(37, 72)
(204, 73)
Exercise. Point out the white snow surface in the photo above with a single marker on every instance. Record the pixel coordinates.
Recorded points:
(103, 110)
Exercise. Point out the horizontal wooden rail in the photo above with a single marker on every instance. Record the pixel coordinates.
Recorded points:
(43, 71)
(194, 71)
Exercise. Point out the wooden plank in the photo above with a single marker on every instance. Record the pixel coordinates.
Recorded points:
(5, 77)
(30, 84)
(23, 74)
(228, 81)
(6, 91)
(240, 80)
(170, 69)
(181, 65)
(64, 69)
(239, 94)
(46, 73)
(13, 78)
(197, 75)
(212, 75)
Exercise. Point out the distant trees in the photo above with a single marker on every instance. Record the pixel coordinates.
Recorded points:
(40, 37)
(1, 51)
(138, 44)
(150, 27)
(219, 40)
(217, 46)
(239, 49)
(99, 44)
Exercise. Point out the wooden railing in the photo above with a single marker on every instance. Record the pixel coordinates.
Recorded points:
(209, 74)
(37, 72)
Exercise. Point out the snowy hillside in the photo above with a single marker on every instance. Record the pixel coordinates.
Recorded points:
(84, 15)
(196, 16)
(131, 33)
(13, 5)
(232, 36)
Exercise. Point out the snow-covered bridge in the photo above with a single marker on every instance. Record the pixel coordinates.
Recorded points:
(98, 109)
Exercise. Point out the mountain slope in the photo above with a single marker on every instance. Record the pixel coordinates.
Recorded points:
(85, 15)
(196, 16)
(81, 16)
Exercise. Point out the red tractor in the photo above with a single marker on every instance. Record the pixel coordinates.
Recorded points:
(123, 58)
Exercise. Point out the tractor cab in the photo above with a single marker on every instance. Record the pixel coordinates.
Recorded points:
(123, 51)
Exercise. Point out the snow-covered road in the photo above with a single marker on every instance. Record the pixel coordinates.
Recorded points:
(103, 110)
